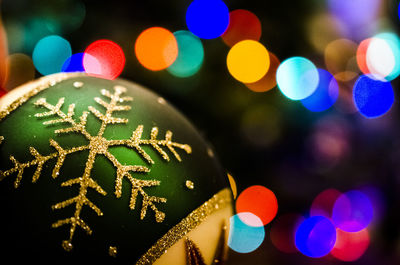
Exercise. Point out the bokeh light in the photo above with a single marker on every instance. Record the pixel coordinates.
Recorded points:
(283, 231)
(345, 102)
(207, 19)
(190, 55)
(20, 69)
(259, 201)
(362, 55)
(50, 54)
(315, 236)
(340, 59)
(383, 56)
(297, 78)
(325, 95)
(268, 81)
(104, 59)
(373, 98)
(243, 25)
(323, 204)
(156, 48)
(248, 61)
(350, 246)
(74, 63)
(352, 211)
(242, 237)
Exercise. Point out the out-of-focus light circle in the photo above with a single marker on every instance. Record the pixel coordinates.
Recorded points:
(242, 237)
(345, 102)
(20, 69)
(233, 185)
(190, 55)
(383, 56)
(322, 205)
(352, 211)
(373, 98)
(259, 201)
(325, 95)
(362, 55)
(268, 81)
(338, 59)
(74, 63)
(350, 246)
(243, 25)
(50, 54)
(315, 237)
(104, 58)
(156, 48)
(297, 78)
(248, 61)
(283, 230)
(207, 19)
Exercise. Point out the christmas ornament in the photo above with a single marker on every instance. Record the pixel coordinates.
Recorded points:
(94, 170)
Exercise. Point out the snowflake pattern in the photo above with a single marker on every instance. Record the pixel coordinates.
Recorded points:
(98, 145)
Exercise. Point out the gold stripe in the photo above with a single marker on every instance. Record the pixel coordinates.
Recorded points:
(219, 201)
(33, 88)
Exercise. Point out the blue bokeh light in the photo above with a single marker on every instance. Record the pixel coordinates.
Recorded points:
(373, 98)
(207, 19)
(352, 211)
(325, 95)
(74, 63)
(50, 54)
(190, 55)
(315, 237)
(242, 237)
(297, 78)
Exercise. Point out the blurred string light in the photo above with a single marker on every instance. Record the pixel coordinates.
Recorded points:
(352, 211)
(156, 48)
(104, 59)
(350, 246)
(190, 55)
(283, 231)
(243, 25)
(74, 63)
(325, 95)
(248, 61)
(297, 78)
(20, 69)
(259, 201)
(242, 237)
(315, 237)
(373, 98)
(207, 19)
(50, 54)
(268, 81)
(322, 205)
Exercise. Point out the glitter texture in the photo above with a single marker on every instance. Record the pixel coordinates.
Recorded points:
(193, 254)
(189, 184)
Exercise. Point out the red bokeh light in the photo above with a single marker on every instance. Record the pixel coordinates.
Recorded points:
(362, 56)
(259, 201)
(350, 246)
(104, 58)
(283, 232)
(323, 203)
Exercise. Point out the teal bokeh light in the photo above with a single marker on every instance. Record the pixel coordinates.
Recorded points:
(394, 43)
(297, 78)
(190, 55)
(50, 54)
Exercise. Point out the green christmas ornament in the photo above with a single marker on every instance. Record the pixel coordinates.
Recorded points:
(102, 171)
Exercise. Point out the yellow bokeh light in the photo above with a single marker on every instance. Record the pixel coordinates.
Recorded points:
(248, 61)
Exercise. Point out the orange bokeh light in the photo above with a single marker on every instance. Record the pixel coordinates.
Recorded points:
(362, 56)
(156, 48)
(259, 201)
(268, 82)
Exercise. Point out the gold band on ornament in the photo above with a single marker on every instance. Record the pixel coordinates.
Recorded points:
(39, 85)
(219, 201)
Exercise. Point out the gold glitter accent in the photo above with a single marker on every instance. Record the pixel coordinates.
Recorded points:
(112, 251)
(219, 201)
(77, 84)
(161, 100)
(98, 145)
(193, 254)
(220, 253)
(210, 152)
(189, 184)
(1, 139)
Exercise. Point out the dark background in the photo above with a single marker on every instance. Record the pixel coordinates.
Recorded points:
(274, 150)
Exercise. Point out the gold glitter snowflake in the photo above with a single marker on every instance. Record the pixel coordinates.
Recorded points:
(97, 145)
